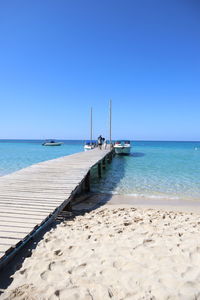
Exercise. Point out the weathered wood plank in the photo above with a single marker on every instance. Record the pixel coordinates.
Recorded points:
(12, 228)
(12, 235)
(9, 242)
(23, 210)
(30, 199)
(4, 248)
(23, 214)
(26, 220)
(32, 204)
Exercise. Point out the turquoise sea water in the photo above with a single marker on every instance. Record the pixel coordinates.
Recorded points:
(15, 155)
(153, 170)
(169, 170)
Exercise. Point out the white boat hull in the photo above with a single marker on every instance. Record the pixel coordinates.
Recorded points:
(88, 147)
(123, 150)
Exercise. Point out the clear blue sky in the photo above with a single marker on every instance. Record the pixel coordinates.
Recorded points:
(59, 57)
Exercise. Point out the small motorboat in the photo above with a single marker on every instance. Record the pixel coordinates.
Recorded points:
(52, 143)
(122, 147)
(89, 145)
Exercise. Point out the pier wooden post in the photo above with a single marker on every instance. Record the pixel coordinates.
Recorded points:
(109, 158)
(87, 183)
(68, 207)
(104, 163)
(99, 170)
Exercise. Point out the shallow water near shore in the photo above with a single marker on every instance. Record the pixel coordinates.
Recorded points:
(155, 170)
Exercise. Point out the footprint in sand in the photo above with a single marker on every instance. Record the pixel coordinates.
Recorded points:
(148, 241)
(58, 252)
(44, 275)
(80, 268)
(22, 271)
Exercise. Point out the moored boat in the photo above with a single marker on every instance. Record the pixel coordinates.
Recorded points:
(89, 145)
(52, 143)
(122, 147)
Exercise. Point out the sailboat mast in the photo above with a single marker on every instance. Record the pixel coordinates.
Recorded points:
(91, 126)
(110, 123)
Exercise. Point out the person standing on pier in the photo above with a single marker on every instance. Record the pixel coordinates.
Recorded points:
(104, 144)
(100, 140)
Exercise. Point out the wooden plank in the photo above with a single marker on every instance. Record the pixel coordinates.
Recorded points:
(13, 227)
(6, 229)
(51, 196)
(36, 201)
(4, 248)
(24, 217)
(38, 206)
(61, 186)
(29, 200)
(12, 235)
(30, 220)
(9, 242)
(9, 210)
(42, 194)
(67, 178)
(28, 208)
(17, 224)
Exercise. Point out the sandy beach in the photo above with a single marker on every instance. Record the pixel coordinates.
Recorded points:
(115, 252)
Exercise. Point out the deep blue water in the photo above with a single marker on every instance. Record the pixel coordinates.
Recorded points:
(154, 169)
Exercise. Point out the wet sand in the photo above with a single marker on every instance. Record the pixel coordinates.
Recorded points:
(116, 251)
(94, 200)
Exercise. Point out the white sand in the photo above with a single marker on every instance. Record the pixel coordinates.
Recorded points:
(115, 253)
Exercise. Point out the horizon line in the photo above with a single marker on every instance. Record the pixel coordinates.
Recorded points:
(136, 140)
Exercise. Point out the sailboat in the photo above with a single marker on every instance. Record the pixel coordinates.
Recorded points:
(89, 145)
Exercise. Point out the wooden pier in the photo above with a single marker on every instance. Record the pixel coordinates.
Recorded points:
(32, 197)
